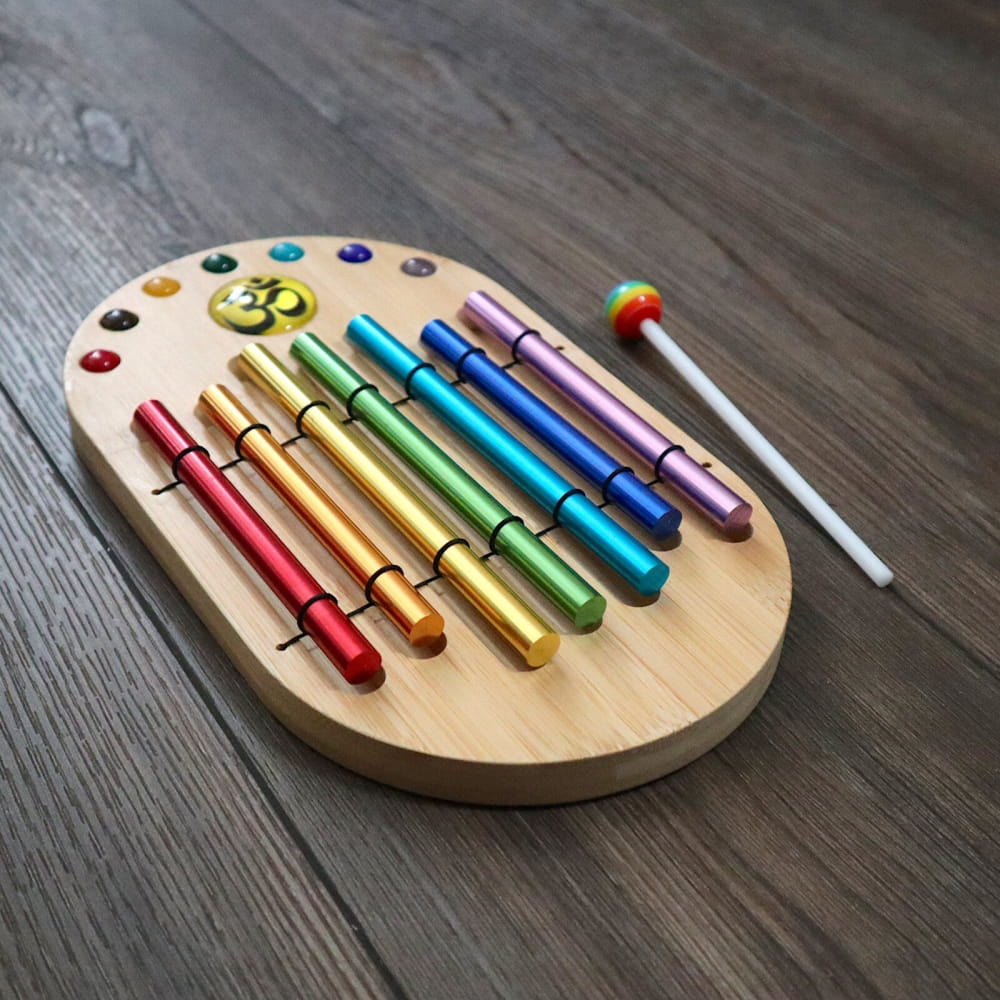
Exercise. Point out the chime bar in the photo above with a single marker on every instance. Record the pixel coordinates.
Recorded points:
(381, 580)
(667, 460)
(449, 554)
(567, 505)
(505, 533)
(616, 481)
(315, 610)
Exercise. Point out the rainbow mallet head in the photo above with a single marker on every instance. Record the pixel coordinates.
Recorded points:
(629, 304)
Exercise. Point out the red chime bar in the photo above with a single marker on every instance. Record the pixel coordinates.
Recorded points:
(316, 611)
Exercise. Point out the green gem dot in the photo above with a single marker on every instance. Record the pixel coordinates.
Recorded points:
(218, 263)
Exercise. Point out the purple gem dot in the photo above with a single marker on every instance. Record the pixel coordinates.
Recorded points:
(418, 267)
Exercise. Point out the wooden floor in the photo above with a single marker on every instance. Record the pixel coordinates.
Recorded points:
(815, 187)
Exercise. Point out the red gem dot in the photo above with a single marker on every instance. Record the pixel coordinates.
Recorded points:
(100, 361)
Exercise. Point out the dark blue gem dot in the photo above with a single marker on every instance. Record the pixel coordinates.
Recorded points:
(355, 253)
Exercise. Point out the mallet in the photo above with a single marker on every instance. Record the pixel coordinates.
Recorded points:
(634, 309)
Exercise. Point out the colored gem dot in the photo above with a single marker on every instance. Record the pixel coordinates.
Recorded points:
(262, 305)
(286, 252)
(161, 286)
(119, 319)
(355, 253)
(100, 361)
(418, 267)
(218, 263)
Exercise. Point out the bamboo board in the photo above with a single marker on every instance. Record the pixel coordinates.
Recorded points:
(661, 681)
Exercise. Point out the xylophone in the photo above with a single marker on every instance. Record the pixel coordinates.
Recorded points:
(232, 400)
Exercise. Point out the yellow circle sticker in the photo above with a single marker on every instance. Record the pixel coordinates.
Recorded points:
(263, 304)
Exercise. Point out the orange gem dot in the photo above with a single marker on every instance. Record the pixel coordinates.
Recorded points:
(161, 286)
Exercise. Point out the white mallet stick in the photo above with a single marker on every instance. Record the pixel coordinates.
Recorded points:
(634, 309)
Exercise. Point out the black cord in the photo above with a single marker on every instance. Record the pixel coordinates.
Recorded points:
(562, 500)
(517, 340)
(513, 519)
(300, 617)
(436, 564)
(238, 443)
(375, 576)
(461, 361)
(305, 409)
(349, 402)
(607, 482)
(413, 371)
(659, 461)
(176, 464)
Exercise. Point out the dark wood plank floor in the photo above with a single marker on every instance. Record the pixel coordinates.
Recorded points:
(813, 186)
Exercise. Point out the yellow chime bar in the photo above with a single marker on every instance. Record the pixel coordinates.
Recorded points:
(449, 553)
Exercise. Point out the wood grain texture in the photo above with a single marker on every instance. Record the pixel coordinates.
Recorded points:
(890, 78)
(843, 842)
(138, 855)
(660, 682)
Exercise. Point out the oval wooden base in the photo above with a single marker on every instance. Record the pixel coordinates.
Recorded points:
(657, 685)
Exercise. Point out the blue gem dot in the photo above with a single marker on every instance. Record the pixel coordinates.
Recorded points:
(355, 253)
(286, 252)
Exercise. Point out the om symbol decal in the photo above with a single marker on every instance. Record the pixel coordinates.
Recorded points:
(263, 304)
